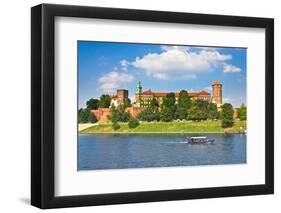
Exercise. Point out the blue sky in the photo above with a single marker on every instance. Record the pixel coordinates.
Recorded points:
(104, 67)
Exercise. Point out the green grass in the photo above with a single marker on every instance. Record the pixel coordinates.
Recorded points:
(168, 127)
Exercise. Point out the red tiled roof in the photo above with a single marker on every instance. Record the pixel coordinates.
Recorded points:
(192, 94)
(203, 92)
(163, 94)
(156, 94)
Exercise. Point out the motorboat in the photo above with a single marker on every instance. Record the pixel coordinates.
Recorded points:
(200, 140)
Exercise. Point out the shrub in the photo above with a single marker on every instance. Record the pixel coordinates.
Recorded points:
(104, 101)
(92, 118)
(133, 123)
(181, 113)
(167, 114)
(148, 115)
(198, 110)
(227, 123)
(115, 126)
(92, 104)
(83, 115)
(227, 115)
(242, 112)
(119, 115)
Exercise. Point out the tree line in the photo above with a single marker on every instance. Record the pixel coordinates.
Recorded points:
(183, 109)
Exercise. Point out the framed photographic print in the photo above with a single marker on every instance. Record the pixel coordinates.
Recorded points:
(139, 106)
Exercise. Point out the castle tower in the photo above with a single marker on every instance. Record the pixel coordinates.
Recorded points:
(122, 95)
(217, 94)
(138, 93)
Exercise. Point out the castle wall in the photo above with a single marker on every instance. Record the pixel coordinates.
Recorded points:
(102, 114)
(134, 111)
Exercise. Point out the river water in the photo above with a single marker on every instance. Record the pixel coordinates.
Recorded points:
(121, 151)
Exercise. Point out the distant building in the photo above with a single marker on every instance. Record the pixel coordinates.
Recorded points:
(143, 99)
(120, 97)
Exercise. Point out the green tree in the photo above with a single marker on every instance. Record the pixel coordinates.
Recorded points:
(127, 103)
(199, 110)
(195, 114)
(114, 117)
(181, 113)
(213, 111)
(184, 103)
(227, 115)
(119, 115)
(80, 110)
(104, 101)
(148, 115)
(124, 116)
(83, 115)
(92, 118)
(167, 114)
(115, 126)
(153, 105)
(169, 100)
(92, 104)
(133, 123)
(168, 108)
(242, 112)
(184, 99)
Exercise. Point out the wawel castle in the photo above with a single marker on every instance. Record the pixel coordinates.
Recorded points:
(143, 99)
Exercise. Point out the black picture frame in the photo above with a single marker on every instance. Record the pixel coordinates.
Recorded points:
(43, 114)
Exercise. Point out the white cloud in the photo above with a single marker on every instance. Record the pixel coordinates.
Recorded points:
(179, 62)
(114, 80)
(213, 56)
(231, 68)
(124, 65)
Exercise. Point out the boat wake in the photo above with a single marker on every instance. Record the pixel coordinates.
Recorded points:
(206, 143)
(176, 142)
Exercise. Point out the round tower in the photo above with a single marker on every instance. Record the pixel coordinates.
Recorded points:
(217, 93)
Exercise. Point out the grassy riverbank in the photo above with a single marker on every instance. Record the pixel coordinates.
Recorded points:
(168, 127)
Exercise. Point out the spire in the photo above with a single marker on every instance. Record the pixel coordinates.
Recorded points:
(139, 88)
